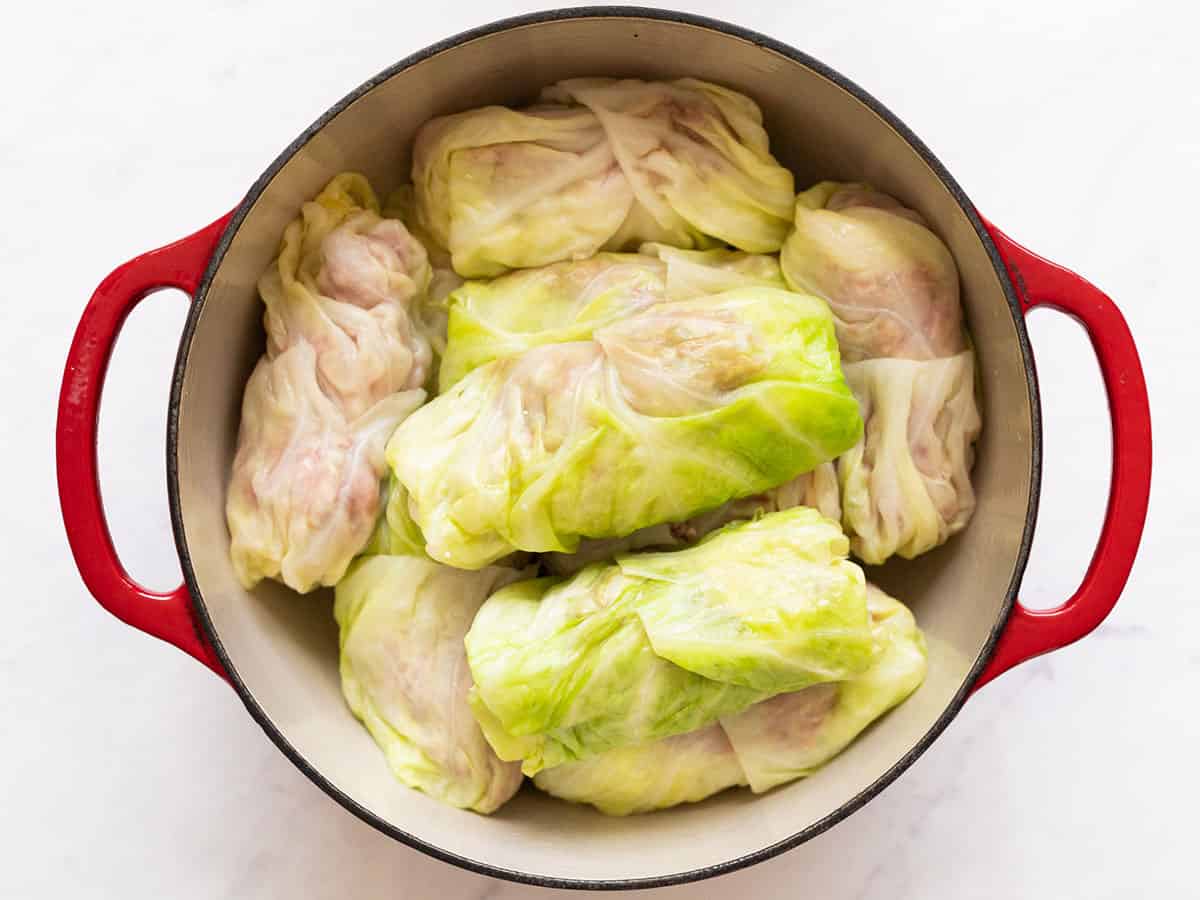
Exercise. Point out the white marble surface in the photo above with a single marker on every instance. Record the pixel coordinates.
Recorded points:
(126, 770)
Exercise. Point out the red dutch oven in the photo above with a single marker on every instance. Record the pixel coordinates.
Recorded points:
(279, 651)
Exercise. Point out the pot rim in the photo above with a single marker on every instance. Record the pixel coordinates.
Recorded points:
(854, 803)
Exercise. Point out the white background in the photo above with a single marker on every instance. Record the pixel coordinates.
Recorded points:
(127, 770)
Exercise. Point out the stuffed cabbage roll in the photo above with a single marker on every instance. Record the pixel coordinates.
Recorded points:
(600, 164)
(891, 282)
(662, 644)
(694, 273)
(344, 365)
(404, 672)
(568, 301)
(304, 492)
(906, 486)
(662, 414)
(778, 740)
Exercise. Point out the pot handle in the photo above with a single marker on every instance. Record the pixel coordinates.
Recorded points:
(167, 616)
(1040, 282)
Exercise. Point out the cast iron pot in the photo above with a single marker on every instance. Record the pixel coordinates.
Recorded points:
(279, 652)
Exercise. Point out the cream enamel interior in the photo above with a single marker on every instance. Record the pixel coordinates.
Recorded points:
(284, 647)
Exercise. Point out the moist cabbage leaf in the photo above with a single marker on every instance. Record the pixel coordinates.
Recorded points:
(662, 414)
(662, 644)
(694, 273)
(561, 302)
